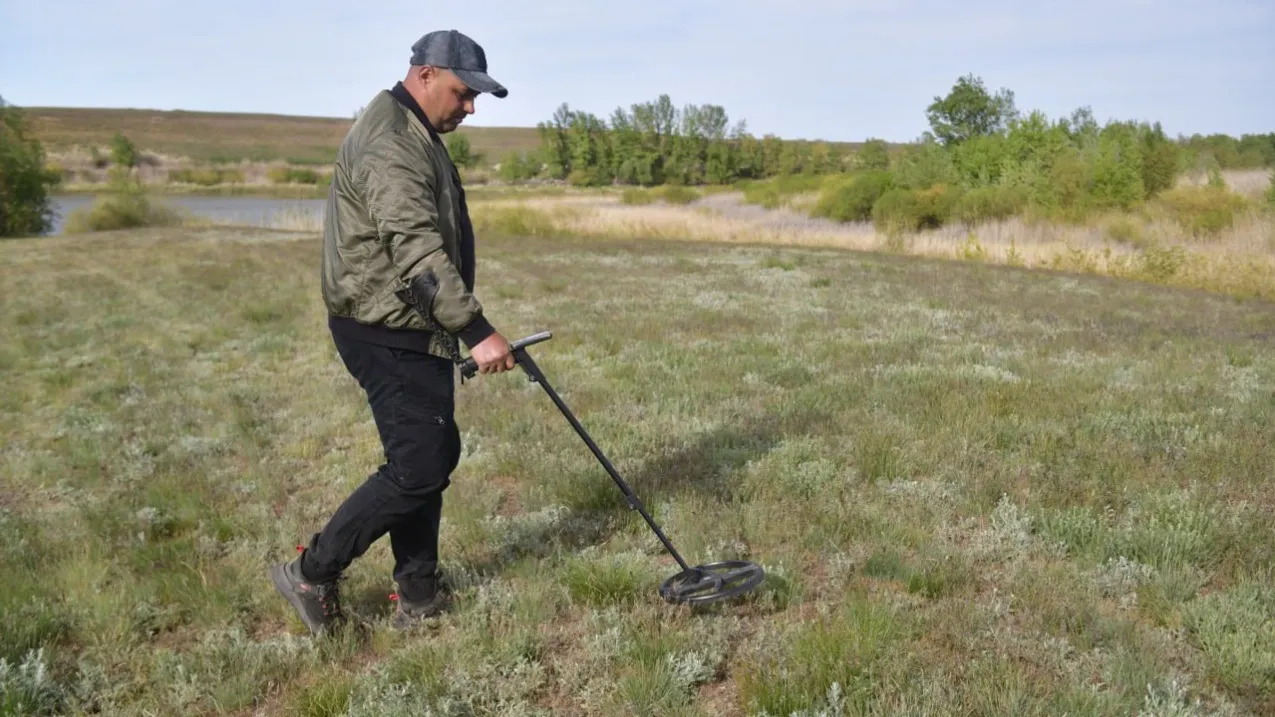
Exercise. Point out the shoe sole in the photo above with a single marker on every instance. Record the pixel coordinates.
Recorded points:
(284, 586)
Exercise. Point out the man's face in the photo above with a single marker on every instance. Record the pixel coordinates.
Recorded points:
(448, 101)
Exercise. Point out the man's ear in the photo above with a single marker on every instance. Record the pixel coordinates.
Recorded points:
(426, 74)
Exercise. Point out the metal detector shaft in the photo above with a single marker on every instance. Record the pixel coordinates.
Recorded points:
(537, 376)
(533, 371)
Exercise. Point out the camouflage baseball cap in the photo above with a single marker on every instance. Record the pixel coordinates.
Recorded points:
(460, 54)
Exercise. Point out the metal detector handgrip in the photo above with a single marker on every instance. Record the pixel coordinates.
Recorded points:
(470, 366)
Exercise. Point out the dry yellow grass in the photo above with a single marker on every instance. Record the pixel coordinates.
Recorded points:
(1239, 260)
(1251, 183)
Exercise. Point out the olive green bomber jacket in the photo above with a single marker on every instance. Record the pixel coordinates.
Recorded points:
(398, 259)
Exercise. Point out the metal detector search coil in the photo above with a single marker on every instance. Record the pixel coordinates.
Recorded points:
(693, 585)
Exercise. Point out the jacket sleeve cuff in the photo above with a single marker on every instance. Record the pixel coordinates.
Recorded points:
(476, 331)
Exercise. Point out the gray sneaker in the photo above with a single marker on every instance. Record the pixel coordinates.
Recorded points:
(319, 604)
(410, 613)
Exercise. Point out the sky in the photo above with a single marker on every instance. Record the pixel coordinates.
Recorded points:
(811, 69)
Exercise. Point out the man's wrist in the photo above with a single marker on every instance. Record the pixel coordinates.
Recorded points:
(476, 331)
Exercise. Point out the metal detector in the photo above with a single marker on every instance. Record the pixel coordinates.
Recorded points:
(693, 585)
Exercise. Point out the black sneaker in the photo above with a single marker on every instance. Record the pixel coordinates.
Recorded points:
(319, 604)
(430, 602)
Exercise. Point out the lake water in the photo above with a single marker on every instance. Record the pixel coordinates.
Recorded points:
(254, 211)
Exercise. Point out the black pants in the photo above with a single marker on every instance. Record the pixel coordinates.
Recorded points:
(412, 396)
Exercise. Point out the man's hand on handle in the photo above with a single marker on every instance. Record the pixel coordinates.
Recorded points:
(493, 354)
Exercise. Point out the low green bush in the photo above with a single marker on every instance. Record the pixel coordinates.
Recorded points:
(988, 204)
(1203, 211)
(851, 199)
(903, 210)
(125, 207)
(292, 175)
(675, 194)
(637, 196)
(763, 194)
(206, 176)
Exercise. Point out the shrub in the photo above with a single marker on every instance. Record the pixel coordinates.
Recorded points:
(1203, 211)
(590, 177)
(125, 207)
(461, 153)
(798, 183)
(895, 212)
(25, 207)
(902, 210)
(292, 175)
(679, 195)
(637, 196)
(771, 193)
(123, 151)
(851, 199)
(924, 165)
(1125, 229)
(206, 176)
(765, 194)
(519, 166)
(935, 205)
(987, 204)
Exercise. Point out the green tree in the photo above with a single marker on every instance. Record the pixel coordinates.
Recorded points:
(1160, 160)
(123, 151)
(979, 160)
(750, 157)
(772, 152)
(25, 207)
(1038, 161)
(555, 147)
(720, 166)
(1115, 171)
(519, 166)
(873, 156)
(589, 150)
(461, 153)
(924, 165)
(969, 110)
(794, 158)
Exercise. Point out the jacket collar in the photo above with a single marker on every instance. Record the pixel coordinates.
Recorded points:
(400, 93)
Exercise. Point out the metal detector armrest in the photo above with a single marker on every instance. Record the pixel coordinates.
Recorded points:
(470, 366)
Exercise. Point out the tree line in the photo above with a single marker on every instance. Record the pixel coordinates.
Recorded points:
(655, 143)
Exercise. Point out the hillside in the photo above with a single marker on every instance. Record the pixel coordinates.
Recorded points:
(231, 137)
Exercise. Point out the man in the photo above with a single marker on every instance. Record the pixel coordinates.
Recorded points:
(398, 278)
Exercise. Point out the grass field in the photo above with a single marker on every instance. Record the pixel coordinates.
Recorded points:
(232, 137)
(977, 490)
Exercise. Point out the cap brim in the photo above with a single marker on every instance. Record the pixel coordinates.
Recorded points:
(481, 82)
